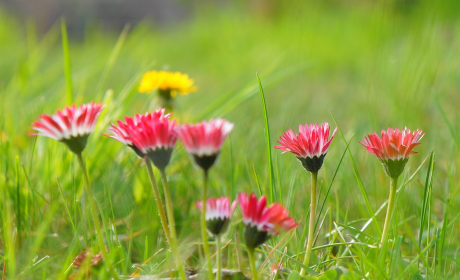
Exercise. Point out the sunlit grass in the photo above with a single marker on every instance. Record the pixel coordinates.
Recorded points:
(371, 65)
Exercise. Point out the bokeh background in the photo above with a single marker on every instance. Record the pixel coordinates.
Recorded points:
(373, 64)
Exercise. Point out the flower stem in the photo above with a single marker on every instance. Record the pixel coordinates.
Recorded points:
(172, 225)
(311, 226)
(391, 201)
(156, 193)
(204, 234)
(253, 263)
(94, 213)
(219, 258)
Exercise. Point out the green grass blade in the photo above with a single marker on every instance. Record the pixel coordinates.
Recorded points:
(257, 181)
(269, 145)
(332, 181)
(70, 216)
(449, 125)
(112, 59)
(358, 178)
(67, 69)
(426, 198)
(431, 244)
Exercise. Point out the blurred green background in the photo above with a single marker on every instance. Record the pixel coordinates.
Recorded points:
(374, 65)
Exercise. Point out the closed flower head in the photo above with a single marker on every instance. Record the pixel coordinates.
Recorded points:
(218, 214)
(262, 222)
(71, 126)
(204, 140)
(393, 148)
(310, 145)
(169, 84)
(125, 131)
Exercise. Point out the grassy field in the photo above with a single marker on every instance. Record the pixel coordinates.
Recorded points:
(370, 65)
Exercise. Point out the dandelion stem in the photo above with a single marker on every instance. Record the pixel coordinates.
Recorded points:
(311, 226)
(156, 193)
(253, 263)
(204, 234)
(391, 201)
(172, 225)
(94, 213)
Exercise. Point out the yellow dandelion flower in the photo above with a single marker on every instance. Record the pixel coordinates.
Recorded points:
(168, 83)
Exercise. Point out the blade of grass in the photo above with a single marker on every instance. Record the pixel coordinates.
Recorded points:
(257, 181)
(332, 181)
(443, 239)
(426, 199)
(112, 59)
(269, 145)
(67, 70)
(446, 120)
(360, 182)
(70, 216)
(431, 244)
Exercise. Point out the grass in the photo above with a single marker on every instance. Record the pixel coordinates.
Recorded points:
(372, 65)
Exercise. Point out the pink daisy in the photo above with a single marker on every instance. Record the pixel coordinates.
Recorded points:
(310, 145)
(218, 214)
(262, 222)
(204, 140)
(124, 131)
(393, 148)
(71, 126)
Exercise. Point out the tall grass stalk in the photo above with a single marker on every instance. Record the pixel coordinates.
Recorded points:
(94, 212)
(156, 193)
(172, 225)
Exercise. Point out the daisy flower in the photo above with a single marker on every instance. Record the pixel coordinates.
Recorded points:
(393, 148)
(71, 126)
(218, 214)
(203, 141)
(310, 145)
(262, 222)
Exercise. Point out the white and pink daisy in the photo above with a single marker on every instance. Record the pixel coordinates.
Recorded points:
(262, 222)
(204, 140)
(155, 138)
(124, 131)
(310, 145)
(218, 214)
(393, 148)
(71, 126)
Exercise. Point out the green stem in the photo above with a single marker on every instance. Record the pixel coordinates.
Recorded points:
(391, 201)
(219, 258)
(253, 263)
(311, 226)
(94, 213)
(204, 234)
(172, 225)
(156, 193)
